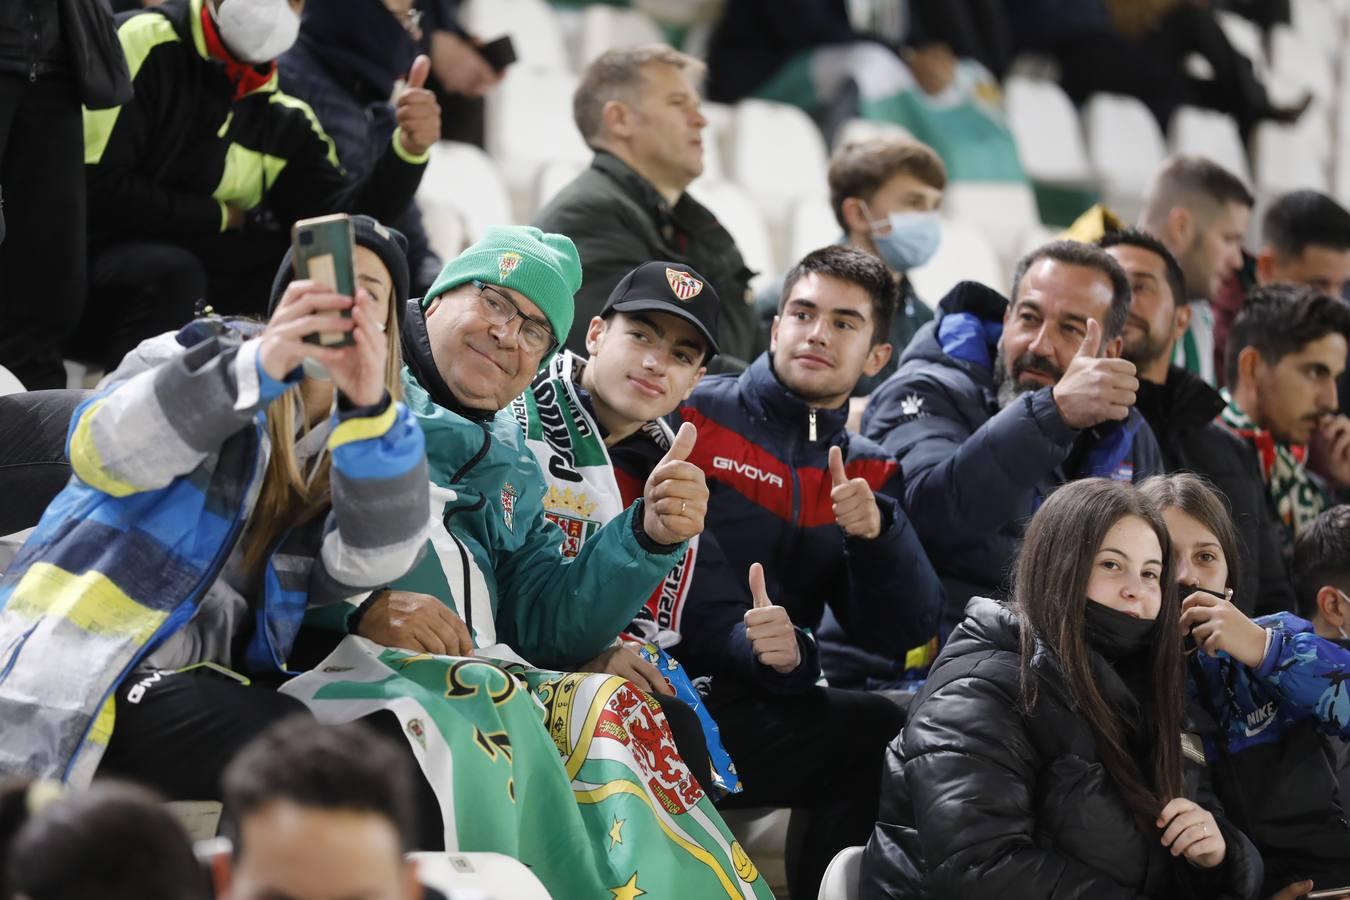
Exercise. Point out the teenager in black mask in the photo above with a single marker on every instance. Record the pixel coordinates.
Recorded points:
(1043, 757)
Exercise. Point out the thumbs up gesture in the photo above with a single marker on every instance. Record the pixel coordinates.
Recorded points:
(418, 113)
(769, 629)
(675, 499)
(855, 506)
(1095, 389)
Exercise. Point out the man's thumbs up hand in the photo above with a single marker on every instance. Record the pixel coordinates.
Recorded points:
(769, 629)
(855, 506)
(418, 113)
(675, 499)
(1095, 389)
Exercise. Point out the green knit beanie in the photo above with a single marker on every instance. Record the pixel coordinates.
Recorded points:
(543, 267)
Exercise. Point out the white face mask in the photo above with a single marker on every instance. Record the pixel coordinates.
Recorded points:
(257, 31)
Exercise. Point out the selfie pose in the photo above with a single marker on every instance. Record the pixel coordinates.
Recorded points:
(219, 489)
(1274, 688)
(1043, 758)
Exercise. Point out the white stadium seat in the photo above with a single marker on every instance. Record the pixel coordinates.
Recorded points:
(609, 27)
(553, 177)
(1285, 158)
(813, 226)
(1045, 125)
(460, 196)
(742, 219)
(527, 124)
(1303, 61)
(1126, 147)
(1318, 22)
(9, 384)
(778, 156)
(1002, 210)
(484, 876)
(841, 876)
(964, 255)
(1204, 132)
(534, 27)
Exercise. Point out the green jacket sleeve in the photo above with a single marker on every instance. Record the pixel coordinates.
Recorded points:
(559, 612)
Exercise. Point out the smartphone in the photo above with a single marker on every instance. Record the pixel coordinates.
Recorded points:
(323, 250)
(1329, 894)
(499, 53)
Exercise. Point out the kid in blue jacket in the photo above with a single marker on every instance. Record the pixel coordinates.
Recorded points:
(1277, 688)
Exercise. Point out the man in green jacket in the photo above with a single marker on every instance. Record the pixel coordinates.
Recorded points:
(494, 574)
(638, 108)
(539, 761)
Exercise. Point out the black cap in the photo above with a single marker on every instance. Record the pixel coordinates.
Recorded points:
(669, 287)
(389, 245)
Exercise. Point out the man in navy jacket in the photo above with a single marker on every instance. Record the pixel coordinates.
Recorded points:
(819, 508)
(995, 405)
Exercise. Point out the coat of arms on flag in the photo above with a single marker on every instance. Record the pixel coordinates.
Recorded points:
(507, 263)
(684, 285)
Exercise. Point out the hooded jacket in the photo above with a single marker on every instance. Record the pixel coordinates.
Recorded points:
(165, 164)
(980, 799)
(494, 556)
(974, 473)
(1275, 750)
(1181, 415)
(129, 562)
(765, 453)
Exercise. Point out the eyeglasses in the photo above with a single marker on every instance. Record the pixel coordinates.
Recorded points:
(500, 309)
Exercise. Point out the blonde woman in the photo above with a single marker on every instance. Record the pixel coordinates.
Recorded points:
(227, 477)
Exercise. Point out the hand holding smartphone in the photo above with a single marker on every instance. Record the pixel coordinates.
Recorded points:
(323, 250)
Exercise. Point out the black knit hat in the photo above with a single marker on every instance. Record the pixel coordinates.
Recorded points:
(388, 243)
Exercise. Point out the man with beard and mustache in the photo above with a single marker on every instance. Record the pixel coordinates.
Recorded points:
(1181, 409)
(997, 404)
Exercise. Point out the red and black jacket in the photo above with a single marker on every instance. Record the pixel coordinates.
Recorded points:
(770, 482)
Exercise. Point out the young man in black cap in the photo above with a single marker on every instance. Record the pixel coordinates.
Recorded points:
(596, 427)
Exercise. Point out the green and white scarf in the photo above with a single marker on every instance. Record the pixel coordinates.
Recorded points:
(1298, 500)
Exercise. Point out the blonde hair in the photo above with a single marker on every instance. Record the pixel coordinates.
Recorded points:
(289, 496)
(617, 75)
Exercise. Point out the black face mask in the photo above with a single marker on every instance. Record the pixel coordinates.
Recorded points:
(1114, 634)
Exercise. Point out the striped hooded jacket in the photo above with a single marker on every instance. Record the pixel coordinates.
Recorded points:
(168, 461)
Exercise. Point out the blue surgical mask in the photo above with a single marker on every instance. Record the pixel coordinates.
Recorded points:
(912, 240)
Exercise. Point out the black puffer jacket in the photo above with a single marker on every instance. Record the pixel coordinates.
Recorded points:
(980, 800)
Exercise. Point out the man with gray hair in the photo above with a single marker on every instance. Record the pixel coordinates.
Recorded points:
(638, 108)
(997, 403)
(1199, 210)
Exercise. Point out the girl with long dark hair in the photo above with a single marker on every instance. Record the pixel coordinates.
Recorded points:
(1043, 758)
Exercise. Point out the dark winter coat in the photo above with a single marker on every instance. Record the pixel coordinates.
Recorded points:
(980, 799)
(974, 474)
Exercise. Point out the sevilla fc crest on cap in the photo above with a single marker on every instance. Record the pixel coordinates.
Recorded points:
(506, 264)
(684, 285)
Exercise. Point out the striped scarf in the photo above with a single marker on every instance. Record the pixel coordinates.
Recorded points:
(1297, 497)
